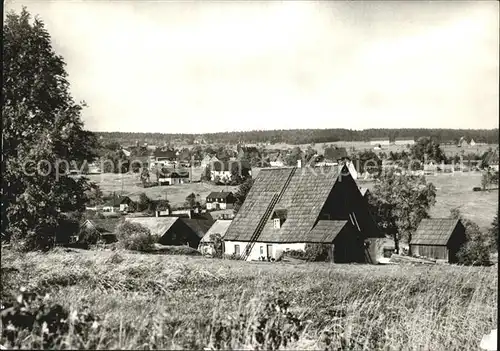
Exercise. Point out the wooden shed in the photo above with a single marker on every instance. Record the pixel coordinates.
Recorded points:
(438, 238)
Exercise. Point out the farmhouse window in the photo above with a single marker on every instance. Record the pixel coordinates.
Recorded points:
(262, 250)
(277, 223)
(237, 249)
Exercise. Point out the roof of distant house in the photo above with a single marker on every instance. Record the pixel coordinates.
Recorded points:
(199, 226)
(156, 225)
(105, 225)
(335, 154)
(219, 195)
(434, 231)
(230, 166)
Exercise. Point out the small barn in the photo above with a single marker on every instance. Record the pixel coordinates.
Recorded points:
(105, 227)
(175, 230)
(438, 238)
(117, 204)
(219, 227)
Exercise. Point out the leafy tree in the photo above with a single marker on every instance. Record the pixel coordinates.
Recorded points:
(163, 205)
(400, 202)
(145, 177)
(41, 124)
(94, 195)
(367, 161)
(207, 175)
(295, 155)
(427, 149)
(218, 245)
(476, 250)
(191, 201)
(242, 193)
(145, 203)
(134, 236)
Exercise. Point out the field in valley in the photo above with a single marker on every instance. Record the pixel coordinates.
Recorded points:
(172, 302)
(449, 150)
(455, 191)
(132, 187)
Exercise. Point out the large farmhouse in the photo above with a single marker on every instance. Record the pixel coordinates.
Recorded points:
(287, 208)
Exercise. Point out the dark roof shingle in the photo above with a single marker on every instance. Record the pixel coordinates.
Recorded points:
(434, 231)
(303, 198)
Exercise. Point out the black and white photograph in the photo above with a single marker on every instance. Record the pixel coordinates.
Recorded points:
(250, 175)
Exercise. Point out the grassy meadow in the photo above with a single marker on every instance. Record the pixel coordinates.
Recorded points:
(130, 185)
(449, 150)
(180, 302)
(455, 191)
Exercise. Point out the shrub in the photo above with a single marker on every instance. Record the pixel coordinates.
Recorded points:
(232, 256)
(474, 253)
(29, 319)
(133, 236)
(267, 324)
(177, 250)
(88, 236)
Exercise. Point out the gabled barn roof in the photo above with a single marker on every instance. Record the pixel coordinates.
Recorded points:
(158, 226)
(198, 226)
(219, 227)
(434, 231)
(104, 225)
(335, 154)
(305, 191)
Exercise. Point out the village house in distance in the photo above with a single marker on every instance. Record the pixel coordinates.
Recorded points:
(288, 208)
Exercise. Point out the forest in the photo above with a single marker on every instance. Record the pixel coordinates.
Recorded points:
(302, 136)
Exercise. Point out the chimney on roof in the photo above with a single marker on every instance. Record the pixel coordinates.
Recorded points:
(299, 163)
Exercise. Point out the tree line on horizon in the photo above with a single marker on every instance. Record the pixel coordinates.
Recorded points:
(304, 136)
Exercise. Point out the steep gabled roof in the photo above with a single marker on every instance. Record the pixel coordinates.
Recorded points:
(198, 226)
(158, 226)
(335, 154)
(304, 195)
(325, 231)
(219, 227)
(104, 225)
(219, 195)
(434, 231)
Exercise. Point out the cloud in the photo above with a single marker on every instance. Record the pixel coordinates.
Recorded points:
(206, 67)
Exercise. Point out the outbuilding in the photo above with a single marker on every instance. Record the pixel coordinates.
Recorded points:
(438, 238)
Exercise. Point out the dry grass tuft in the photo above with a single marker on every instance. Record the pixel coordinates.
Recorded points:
(178, 302)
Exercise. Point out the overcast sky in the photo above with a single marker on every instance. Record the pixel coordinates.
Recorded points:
(194, 67)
